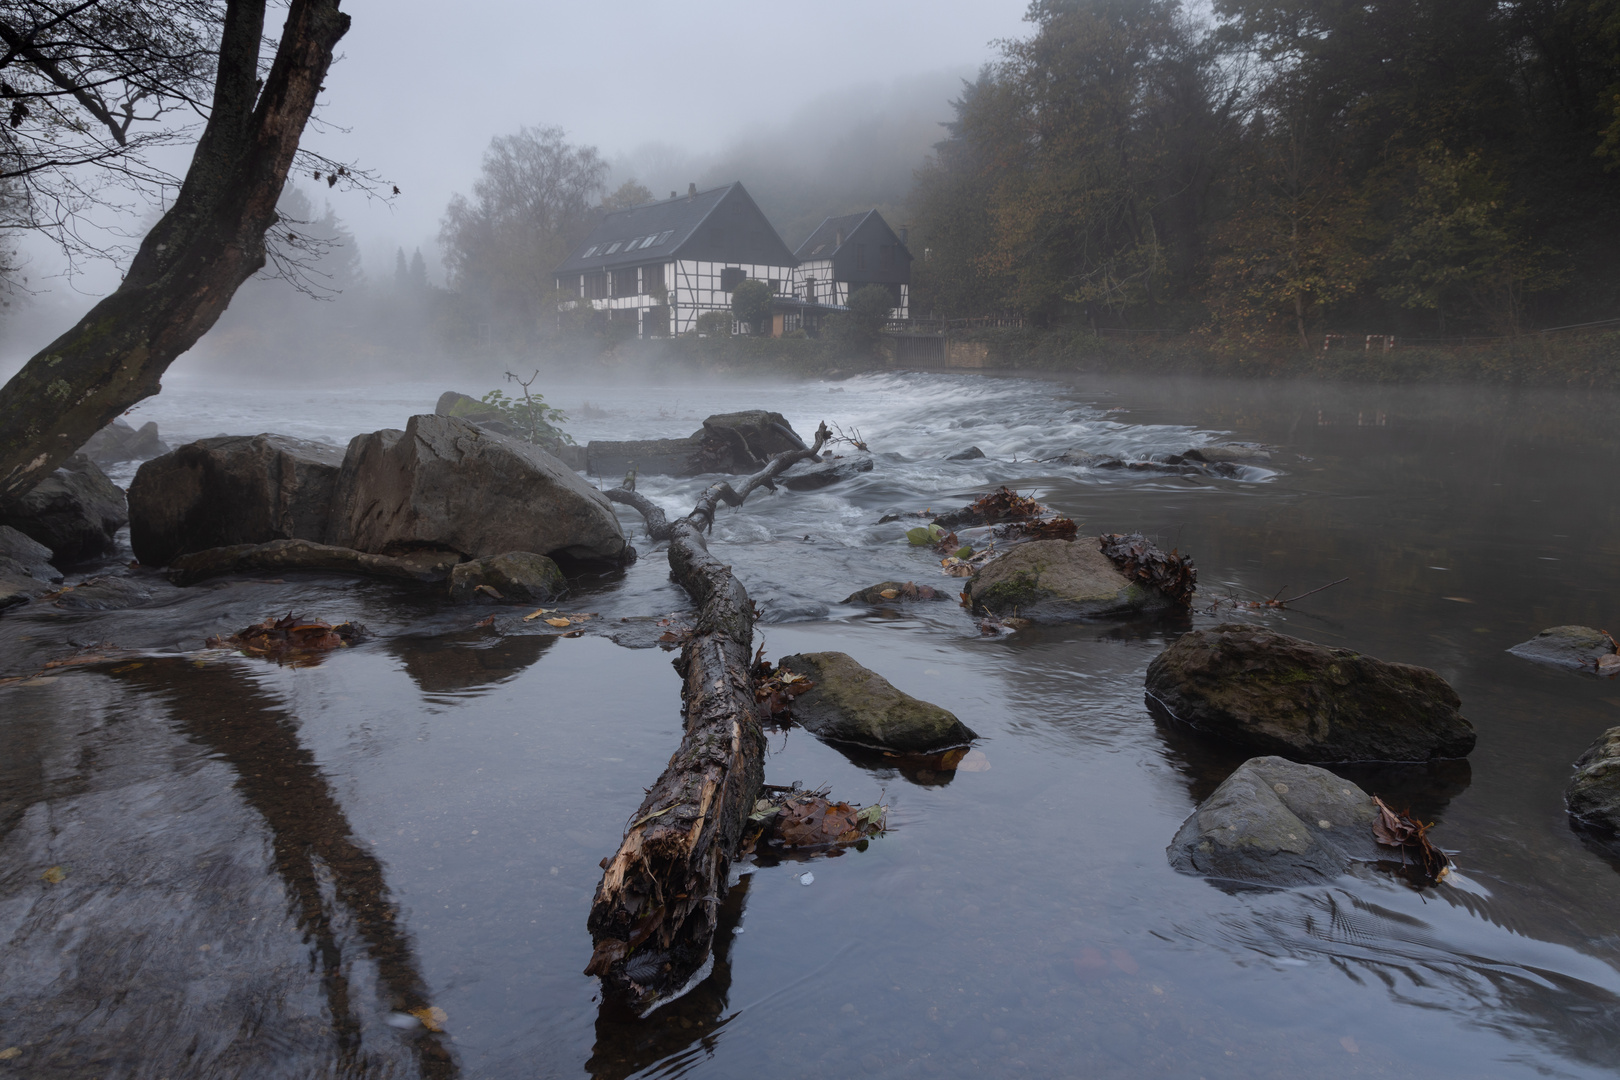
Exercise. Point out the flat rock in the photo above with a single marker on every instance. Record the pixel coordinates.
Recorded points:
(27, 556)
(1579, 647)
(231, 490)
(119, 441)
(1304, 701)
(1237, 453)
(104, 594)
(1275, 822)
(810, 475)
(515, 575)
(76, 512)
(17, 586)
(972, 453)
(444, 483)
(1058, 581)
(1593, 794)
(853, 704)
(901, 590)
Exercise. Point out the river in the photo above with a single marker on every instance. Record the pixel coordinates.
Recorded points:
(257, 868)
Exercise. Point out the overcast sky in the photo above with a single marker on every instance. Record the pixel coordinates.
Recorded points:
(424, 86)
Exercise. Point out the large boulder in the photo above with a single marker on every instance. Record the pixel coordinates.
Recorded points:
(231, 490)
(1058, 581)
(737, 442)
(515, 575)
(76, 512)
(852, 704)
(1579, 647)
(20, 554)
(1305, 701)
(1274, 822)
(118, 441)
(1593, 794)
(443, 483)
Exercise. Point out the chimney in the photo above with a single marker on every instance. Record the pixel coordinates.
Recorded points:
(672, 195)
(691, 191)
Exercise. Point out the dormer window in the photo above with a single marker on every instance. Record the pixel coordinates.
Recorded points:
(613, 247)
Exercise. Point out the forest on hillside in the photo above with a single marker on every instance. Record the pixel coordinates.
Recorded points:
(1285, 168)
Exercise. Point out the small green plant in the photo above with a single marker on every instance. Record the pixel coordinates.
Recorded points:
(529, 416)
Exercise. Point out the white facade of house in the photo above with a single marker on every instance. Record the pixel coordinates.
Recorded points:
(697, 287)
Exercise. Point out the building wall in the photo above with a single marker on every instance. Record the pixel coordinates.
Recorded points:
(695, 287)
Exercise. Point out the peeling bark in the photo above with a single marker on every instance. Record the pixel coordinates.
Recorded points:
(193, 260)
(654, 915)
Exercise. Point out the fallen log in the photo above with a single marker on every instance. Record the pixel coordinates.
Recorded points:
(654, 915)
(278, 555)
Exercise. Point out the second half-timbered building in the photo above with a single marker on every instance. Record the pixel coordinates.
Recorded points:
(846, 253)
(665, 263)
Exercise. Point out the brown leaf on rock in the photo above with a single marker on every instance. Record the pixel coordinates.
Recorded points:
(290, 640)
(1138, 559)
(774, 689)
(1397, 830)
(808, 819)
(557, 622)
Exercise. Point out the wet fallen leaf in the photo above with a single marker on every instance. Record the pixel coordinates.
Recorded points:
(557, 622)
(290, 640)
(1399, 831)
(55, 875)
(533, 615)
(433, 1018)
(1608, 665)
(10, 1053)
(1457, 599)
(889, 594)
(488, 620)
(923, 535)
(489, 590)
(1138, 559)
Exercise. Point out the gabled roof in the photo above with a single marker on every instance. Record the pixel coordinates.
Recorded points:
(824, 242)
(657, 231)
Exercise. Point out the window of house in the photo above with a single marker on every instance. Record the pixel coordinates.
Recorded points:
(613, 247)
(596, 286)
(810, 289)
(731, 277)
(775, 285)
(663, 237)
(860, 256)
(652, 279)
(655, 322)
(625, 283)
(590, 251)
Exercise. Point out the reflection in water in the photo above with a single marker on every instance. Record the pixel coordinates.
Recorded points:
(313, 843)
(468, 660)
(680, 1033)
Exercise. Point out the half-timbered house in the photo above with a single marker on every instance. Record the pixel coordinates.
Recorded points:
(665, 263)
(846, 253)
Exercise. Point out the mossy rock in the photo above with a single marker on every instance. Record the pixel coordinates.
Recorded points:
(519, 576)
(853, 704)
(1593, 795)
(1059, 581)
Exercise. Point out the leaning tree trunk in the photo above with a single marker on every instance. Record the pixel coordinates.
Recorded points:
(191, 263)
(654, 915)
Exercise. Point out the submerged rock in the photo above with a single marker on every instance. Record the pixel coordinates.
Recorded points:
(853, 704)
(25, 556)
(1275, 822)
(1089, 460)
(118, 441)
(1058, 581)
(515, 575)
(1239, 453)
(1305, 701)
(1593, 794)
(810, 475)
(1579, 647)
(231, 490)
(739, 442)
(972, 453)
(886, 592)
(444, 483)
(76, 512)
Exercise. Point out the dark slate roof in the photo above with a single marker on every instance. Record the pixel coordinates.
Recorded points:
(823, 243)
(657, 231)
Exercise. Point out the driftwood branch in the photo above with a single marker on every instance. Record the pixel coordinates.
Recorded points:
(654, 915)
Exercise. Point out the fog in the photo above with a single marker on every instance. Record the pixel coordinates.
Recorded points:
(816, 116)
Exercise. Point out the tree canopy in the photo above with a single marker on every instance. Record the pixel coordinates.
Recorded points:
(1422, 167)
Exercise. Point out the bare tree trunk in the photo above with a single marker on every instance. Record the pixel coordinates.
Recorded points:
(192, 262)
(654, 916)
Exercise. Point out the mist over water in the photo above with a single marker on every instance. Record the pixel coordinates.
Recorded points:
(418, 821)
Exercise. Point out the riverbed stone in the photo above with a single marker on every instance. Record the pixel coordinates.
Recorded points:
(515, 575)
(1059, 581)
(105, 593)
(811, 475)
(1593, 794)
(1279, 823)
(901, 590)
(853, 704)
(231, 490)
(76, 512)
(444, 483)
(972, 453)
(119, 441)
(26, 556)
(17, 586)
(1309, 702)
(1579, 647)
